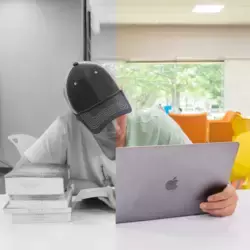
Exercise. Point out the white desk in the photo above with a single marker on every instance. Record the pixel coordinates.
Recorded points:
(95, 230)
(89, 230)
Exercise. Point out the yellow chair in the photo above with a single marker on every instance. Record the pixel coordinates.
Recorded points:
(234, 127)
(240, 125)
(241, 134)
(241, 168)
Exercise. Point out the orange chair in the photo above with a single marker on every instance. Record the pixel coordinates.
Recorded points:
(195, 126)
(222, 130)
(230, 115)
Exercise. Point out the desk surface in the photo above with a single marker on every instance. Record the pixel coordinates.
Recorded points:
(95, 229)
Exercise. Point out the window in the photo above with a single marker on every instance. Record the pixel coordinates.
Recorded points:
(186, 87)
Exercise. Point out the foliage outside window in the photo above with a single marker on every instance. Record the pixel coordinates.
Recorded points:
(190, 87)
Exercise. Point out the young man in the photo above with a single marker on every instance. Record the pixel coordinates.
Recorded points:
(86, 138)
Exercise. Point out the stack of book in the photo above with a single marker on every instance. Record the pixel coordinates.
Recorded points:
(39, 193)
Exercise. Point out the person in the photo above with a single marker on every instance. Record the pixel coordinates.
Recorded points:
(99, 120)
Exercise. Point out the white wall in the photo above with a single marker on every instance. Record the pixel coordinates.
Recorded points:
(39, 40)
(237, 85)
(173, 42)
(104, 43)
(170, 43)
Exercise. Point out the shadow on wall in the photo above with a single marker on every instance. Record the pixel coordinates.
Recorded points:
(2, 157)
(5, 144)
(1, 132)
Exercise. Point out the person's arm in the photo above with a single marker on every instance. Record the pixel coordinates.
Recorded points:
(22, 161)
(50, 148)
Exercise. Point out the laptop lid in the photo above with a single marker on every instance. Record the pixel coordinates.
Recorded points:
(170, 181)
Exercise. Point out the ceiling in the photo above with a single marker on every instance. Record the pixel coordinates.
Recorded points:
(236, 12)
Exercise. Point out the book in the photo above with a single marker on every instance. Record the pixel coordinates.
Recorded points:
(104, 194)
(41, 218)
(42, 201)
(37, 197)
(38, 215)
(33, 211)
(92, 193)
(37, 179)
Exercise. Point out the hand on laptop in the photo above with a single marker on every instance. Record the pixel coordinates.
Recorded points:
(221, 204)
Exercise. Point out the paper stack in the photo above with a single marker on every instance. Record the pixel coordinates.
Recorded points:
(39, 193)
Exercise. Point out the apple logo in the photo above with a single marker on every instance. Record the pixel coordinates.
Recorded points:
(172, 184)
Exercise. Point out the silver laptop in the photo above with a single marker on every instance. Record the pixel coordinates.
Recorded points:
(170, 181)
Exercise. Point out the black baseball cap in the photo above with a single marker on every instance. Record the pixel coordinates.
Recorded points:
(94, 96)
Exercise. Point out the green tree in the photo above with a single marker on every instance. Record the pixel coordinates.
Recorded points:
(174, 79)
(210, 79)
(144, 83)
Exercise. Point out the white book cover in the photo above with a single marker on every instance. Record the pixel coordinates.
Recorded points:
(33, 186)
(37, 179)
(43, 203)
(39, 171)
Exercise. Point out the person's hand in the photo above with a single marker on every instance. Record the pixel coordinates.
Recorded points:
(221, 204)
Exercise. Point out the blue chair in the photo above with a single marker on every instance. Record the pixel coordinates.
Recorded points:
(167, 109)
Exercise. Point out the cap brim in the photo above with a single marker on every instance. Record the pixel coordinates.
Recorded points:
(97, 118)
